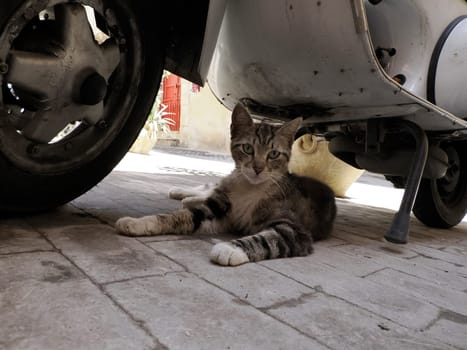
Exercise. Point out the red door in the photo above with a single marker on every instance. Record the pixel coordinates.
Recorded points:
(171, 98)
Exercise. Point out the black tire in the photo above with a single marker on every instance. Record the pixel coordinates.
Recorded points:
(44, 182)
(442, 203)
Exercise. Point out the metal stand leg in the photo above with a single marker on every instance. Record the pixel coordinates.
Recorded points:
(399, 229)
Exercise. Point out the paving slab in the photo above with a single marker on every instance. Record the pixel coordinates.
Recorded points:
(443, 278)
(457, 249)
(47, 303)
(251, 283)
(352, 235)
(341, 325)
(458, 260)
(389, 302)
(185, 312)
(354, 265)
(105, 256)
(441, 265)
(448, 299)
(16, 236)
(451, 329)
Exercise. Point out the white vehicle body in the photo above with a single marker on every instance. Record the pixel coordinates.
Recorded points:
(288, 53)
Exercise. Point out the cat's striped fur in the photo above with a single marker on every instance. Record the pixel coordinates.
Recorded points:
(274, 213)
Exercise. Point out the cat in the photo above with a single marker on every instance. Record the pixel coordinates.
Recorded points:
(275, 214)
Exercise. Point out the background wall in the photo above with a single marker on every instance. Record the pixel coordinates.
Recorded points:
(204, 121)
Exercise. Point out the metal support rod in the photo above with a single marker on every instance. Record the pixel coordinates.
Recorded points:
(398, 231)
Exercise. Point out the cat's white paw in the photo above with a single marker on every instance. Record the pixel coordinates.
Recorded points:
(178, 193)
(192, 202)
(197, 191)
(134, 227)
(228, 254)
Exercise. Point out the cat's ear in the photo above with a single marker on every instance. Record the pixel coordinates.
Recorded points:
(241, 121)
(289, 129)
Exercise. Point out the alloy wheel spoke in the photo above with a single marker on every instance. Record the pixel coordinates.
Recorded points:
(44, 126)
(75, 28)
(36, 73)
(67, 85)
(110, 57)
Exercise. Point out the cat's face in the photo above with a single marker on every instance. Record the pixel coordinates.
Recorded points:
(261, 152)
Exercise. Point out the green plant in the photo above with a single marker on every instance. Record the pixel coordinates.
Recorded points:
(157, 122)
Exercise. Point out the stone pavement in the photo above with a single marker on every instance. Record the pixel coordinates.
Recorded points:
(67, 281)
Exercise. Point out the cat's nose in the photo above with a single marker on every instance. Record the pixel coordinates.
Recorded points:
(258, 169)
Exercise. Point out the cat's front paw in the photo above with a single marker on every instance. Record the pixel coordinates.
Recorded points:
(228, 254)
(193, 202)
(132, 226)
(178, 193)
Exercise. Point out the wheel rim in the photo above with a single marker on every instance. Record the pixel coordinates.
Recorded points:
(69, 74)
(448, 185)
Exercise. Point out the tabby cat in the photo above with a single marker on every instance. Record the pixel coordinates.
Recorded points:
(274, 213)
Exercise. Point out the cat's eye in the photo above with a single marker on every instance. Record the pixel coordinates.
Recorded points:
(247, 148)
(274, 154)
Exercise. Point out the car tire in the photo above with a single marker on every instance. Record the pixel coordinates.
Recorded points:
(38, 175)
(442, 203)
